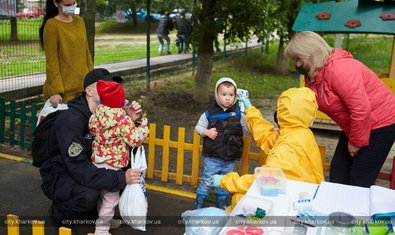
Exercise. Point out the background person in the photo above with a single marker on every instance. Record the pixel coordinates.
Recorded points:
(69, 177)
(356, 99)
(114, 135)
(292, 148)
(221, 127)
(183, 31)
(68, 60)
(165, 25)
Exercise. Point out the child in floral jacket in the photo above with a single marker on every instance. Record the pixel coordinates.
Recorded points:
(114, 134)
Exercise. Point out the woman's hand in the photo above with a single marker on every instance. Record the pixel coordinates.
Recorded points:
(134, 110)
(352, 149)
(133, 176)
(55, 100)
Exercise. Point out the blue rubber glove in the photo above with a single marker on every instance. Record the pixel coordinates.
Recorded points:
(217, 180)
(245, 101)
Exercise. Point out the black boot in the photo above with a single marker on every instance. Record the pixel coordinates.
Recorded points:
(222, 201)
(199, 201)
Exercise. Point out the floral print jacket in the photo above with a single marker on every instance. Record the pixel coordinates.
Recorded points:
(114, 134)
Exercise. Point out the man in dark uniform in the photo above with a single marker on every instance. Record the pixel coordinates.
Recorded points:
(69, 177)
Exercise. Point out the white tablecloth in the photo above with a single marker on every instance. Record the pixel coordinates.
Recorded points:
(281, 207)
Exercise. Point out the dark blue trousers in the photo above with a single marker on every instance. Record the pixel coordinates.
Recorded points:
(362, 169)
(73, 201)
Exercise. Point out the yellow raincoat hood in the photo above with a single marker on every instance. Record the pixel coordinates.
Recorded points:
(296, 107)
(293, 148)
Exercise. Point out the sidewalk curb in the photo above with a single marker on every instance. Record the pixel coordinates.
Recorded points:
(16, 158)
(161, 189)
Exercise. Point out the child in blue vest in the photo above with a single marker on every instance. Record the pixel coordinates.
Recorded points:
(222, 127)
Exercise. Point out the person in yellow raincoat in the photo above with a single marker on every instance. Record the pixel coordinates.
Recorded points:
(292, 148)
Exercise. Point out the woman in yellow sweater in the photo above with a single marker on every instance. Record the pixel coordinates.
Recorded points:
(68, 60)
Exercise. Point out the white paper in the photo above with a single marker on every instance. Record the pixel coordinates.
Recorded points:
(332, 197)
(382, 201)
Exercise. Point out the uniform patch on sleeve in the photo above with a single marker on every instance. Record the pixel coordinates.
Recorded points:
(75, 149)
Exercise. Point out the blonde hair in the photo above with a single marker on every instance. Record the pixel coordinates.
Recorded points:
(309, 47)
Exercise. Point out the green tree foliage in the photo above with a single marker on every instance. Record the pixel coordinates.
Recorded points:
(238, 21)
(162, 6)
(235, 19)
(285, 16)
(102, 6)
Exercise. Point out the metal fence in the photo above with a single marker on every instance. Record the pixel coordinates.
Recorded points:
(22, 61)
(17, 123)
(20, 54)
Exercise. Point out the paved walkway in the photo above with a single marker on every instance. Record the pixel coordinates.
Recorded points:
(21, 195)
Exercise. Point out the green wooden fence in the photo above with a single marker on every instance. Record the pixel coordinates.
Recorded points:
(17, 123)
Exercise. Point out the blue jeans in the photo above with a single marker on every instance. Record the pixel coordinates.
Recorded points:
(212, 166)
(160, 38)
(182, 43)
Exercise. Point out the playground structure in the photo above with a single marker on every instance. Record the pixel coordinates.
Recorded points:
(349, 16)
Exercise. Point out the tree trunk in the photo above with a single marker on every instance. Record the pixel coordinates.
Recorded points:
(88, 12)
(204, 67)
(134, 16)
(205, 53)
(282, 61)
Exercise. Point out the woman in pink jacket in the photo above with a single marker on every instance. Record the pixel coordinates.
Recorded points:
(356, 99)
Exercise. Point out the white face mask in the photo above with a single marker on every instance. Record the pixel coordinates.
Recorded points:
(69, 10)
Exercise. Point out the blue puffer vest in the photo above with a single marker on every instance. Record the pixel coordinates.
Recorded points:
(229, 142)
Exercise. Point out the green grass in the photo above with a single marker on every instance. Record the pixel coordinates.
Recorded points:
(112, 27)
(21, 57)
(123, 52)
(27, 29)
(374, 50)
(253, 72)
(260, 84)
(107, 53)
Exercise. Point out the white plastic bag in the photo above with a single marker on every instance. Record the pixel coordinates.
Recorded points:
(48, 108)
(133, 205)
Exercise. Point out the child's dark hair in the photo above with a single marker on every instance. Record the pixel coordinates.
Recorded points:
(50, 11)
(275, 118)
